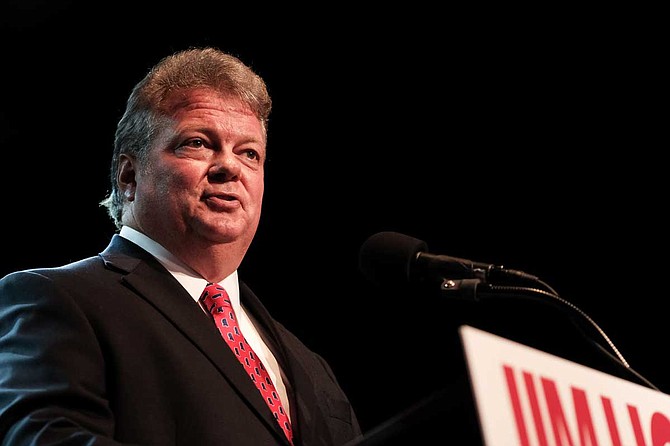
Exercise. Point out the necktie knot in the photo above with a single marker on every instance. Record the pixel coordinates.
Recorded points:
(214, 298)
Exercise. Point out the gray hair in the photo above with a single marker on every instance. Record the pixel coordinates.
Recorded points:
(183, 70)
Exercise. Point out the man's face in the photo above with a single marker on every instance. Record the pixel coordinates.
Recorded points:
(203, 182)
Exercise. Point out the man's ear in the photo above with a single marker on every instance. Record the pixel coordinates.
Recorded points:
(126, 177)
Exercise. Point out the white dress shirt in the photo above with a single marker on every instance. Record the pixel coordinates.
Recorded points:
(195, 284)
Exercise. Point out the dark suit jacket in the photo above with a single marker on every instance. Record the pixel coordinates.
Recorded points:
(112, 350)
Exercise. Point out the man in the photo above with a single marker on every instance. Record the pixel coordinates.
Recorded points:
(118, 348)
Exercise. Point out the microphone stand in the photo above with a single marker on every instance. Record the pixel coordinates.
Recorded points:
(478, 289)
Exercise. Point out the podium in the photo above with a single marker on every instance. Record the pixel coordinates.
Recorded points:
(511, 391)
(513, 394)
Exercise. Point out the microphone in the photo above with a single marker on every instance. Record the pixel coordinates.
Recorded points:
(391, 259)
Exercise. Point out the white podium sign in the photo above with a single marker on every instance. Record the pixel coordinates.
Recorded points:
(527, 397)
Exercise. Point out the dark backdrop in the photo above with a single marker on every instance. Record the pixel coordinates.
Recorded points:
(516, 137)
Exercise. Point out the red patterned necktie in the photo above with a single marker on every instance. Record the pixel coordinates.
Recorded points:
(215, 300)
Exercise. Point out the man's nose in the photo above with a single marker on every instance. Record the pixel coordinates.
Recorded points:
(225, 167)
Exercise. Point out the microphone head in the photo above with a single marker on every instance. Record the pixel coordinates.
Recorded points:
(386, 258)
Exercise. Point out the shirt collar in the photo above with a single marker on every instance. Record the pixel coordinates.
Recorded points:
(189, 279)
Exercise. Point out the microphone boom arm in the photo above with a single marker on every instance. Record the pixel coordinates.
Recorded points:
(477, 289)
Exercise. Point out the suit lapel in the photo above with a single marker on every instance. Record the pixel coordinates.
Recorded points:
(153, 283)
(301, 387)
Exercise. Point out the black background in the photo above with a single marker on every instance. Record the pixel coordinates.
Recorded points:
(522, 137)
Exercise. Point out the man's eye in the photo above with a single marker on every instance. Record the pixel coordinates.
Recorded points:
(251, 154)
(195, 143)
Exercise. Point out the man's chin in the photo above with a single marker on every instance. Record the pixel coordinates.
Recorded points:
(228, 234)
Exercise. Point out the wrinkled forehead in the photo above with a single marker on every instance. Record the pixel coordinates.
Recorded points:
(178, 99)
(185, 99)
